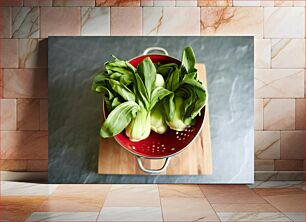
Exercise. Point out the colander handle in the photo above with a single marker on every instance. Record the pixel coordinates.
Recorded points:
(150, 171)
(155, 49)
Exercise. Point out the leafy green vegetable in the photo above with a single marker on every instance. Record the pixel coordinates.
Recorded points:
(139, 128)
(147, 70)
(147, 96)
(173, 80)
(119, 118)
(158, 121)
(159, 81)
(151, 96)
(122, 90)
(177, 123)
(141, 91)
(188, 60)
(189, 94)
(158, 94)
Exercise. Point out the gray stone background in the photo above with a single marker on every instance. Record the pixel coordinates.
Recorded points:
(75, 112)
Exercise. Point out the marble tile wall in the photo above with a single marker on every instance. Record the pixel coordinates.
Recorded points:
(278, 27)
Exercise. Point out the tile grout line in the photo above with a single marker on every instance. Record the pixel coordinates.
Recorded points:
(104, 202)
(278, 210)
(209, 202)
(161, 208)
(267, 202)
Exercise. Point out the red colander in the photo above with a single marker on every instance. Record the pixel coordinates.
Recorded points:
(160, 146)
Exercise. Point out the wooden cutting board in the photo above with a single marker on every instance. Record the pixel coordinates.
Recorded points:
(195, 160)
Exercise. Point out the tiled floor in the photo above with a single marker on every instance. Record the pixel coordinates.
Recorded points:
(263, 201)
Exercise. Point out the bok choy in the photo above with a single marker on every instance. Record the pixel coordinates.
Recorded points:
(150, 96)
(189, 95)
(130, 94)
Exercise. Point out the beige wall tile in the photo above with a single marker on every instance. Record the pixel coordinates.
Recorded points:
(25, 22)
(284, 22)
(264, 165)
(304, 83)
(118, 3)
(283, 3)
(267, 145)
(279, 83)
(300, 114)
(187, 209)
(126, 21)
(279, 114)
(264, 207)
(73, 2)
(27, 114)
(163, 3)
(5, 22)
(24, 145)
(215, 3)
(184, 191)
(133, 196)
(70, 204)
(246, 3)
(230, 194)
(159, 21)
(37, 165)
(1, 83)
(284, 50)
(33, 53)
(232, 21)
(95, 21)
(292, 144)
(262, 53)
(258, 114)
(252, 216)
(8, 114)
(51, 17)
(146, 2)
(299, 3)
(289, 165)
(19, 207)
(13, 165)
(186, 3)
(4, 3)
(130, 214)
(37, 2)
(285, 200)
(8, 53)
(43, 114)
(25, 83)
(78, 190)
(266, 3)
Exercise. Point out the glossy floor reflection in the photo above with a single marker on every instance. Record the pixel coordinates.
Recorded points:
(263, 201)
